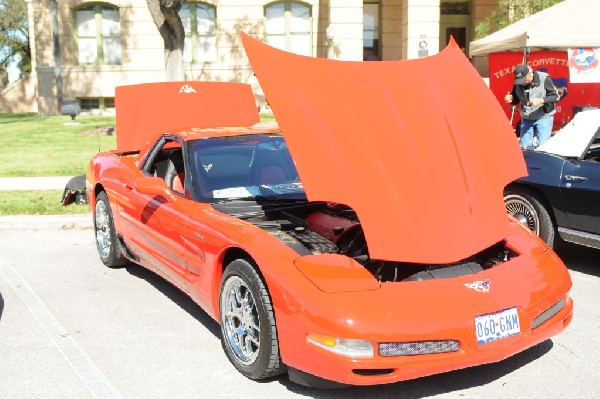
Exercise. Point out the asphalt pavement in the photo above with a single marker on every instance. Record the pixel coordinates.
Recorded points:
(72, 328)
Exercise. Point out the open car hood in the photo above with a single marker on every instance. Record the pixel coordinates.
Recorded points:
(574, 139)
(420, 149)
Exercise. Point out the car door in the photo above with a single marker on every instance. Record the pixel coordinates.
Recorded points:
(152, 222)
(580, 188)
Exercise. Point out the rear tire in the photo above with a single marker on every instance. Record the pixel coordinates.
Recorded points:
(107, 242)
(528, 208)
(248, 322)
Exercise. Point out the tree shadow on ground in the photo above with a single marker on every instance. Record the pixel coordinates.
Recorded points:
(1, 305)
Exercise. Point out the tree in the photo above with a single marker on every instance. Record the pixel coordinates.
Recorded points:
(14, 35)
(165, 14)
(508, 12)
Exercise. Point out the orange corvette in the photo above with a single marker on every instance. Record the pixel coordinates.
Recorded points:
(362, 241)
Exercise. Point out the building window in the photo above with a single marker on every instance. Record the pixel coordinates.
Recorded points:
(454, 8)
(88, 104)
(371, 32)
(455, 21)
(98, 34)
(288, 27)
(96, 104)
(200, 38)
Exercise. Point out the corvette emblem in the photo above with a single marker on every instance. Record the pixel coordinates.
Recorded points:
(187, 89)
(480, 286)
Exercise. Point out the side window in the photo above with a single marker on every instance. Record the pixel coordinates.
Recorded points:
(98, 29)
(288, 26)
(168, 164)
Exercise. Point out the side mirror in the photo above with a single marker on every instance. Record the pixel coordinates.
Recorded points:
(153, 186)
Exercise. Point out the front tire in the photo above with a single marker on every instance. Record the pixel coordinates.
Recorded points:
(528, 208)
(107, 242)
(248, 322)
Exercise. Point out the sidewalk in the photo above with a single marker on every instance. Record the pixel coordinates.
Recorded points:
(61, 222)
(34, 183)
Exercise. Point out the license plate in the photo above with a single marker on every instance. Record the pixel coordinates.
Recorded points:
(494, 326)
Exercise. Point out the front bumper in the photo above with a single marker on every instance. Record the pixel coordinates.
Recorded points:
(428, 311)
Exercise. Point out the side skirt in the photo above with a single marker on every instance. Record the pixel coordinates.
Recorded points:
(580, 237)
(126, 251)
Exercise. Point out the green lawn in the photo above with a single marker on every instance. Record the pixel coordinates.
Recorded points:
(38, 202)
(32, 145)
(45, 146)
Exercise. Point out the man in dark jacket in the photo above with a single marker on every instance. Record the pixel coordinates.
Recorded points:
(537, 95)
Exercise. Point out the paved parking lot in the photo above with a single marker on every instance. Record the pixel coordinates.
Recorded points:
(72, 328)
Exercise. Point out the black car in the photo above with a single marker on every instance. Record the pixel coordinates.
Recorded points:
(561, 195)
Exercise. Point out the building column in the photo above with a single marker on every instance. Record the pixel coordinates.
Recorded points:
(420, 28)
(345, 31)
(31, 36)
(33, 78)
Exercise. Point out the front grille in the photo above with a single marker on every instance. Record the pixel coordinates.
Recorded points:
(547, 314)
(417, 348)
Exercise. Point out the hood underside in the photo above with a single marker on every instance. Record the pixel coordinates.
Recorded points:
(420, 149)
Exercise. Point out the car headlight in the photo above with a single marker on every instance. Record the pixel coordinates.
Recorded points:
(342, 346)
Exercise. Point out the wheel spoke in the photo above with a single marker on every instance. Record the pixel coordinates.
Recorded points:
(239, 296)
(250, 344)
(252, 328)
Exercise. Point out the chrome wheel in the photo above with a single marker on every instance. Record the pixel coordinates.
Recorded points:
(523, 211)
(240, 321)
(531, 209)
(106, 235)
(248, 323)
(102, 230)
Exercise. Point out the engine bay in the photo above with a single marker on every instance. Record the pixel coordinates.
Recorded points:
(327, 228)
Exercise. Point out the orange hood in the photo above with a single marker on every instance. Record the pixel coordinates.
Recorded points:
(420, 149)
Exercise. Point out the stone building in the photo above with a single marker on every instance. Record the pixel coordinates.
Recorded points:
(83, 49)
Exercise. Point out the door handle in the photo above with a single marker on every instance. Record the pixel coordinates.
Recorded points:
(575, 178)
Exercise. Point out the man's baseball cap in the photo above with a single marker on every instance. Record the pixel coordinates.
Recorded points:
(521, 72)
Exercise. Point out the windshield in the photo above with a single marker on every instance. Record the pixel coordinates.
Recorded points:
(244, 167)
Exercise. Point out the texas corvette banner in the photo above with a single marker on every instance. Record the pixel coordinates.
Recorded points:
(583, 65)
(575, 94)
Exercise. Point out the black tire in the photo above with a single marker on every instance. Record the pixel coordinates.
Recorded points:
(245, 302)
(528, 208)
(107, 242)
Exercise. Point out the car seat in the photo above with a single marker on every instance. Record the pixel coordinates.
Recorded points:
(270, 167)
(175, 174)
